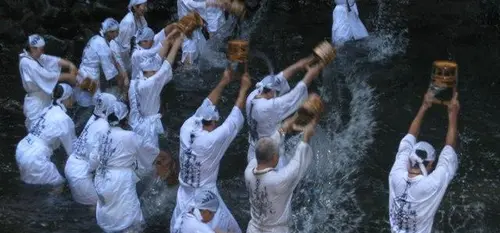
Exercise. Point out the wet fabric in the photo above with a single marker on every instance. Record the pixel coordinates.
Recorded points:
(264, 116)
(200, 155)
(97, 56)
(413, 202)
(140, 53)
(346, 24)
(145, 102)
(34, 151)
(271, 192)
(39, 78)
(192, 47)
(121, 45)
(114, 160)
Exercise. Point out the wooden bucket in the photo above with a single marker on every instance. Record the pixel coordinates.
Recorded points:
(189, 23)
(89, 85)
(444, 77)
(312, 107)
(237, 51)
(325, 52)
(165, 167)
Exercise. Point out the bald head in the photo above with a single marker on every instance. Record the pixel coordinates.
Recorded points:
(265, 150)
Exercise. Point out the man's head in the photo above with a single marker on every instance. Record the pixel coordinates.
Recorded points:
(207, 203)
(35, 46)
(151, 65)
(422, 157)
(62, 95)
(209, 117)
(269, 86)
(266, 152)
(138, 7)
(144, 37)
(109, 29)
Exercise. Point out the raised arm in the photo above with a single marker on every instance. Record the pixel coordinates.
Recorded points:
(453, 108)
(417, 121)
(214, 96)
(296, 67)
(244, 87)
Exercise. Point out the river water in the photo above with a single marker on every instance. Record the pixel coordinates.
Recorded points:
(372, 92)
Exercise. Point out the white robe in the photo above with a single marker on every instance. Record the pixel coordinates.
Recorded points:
(97, 56)
(39, 78)
(140, 54)
(265, 115)
(190, 224)
(413, 202)
(121, 46)
(346, 24)
(271, 192)
(144, 117)
(78, 174)
(199, 166)
(33, 152)
(115, 158)
(193, 46)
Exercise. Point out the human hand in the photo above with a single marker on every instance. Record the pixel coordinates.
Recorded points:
(428, 99)
(309, 129)
(245, 82)
(453, 106)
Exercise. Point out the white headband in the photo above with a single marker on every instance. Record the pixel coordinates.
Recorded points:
(206, 200)
(151, 63)
(271, 82)
(415, 159)
(104, 104)
(109, 24)
(67, 92)
(144, 34)
(135, 2)
(36, 41)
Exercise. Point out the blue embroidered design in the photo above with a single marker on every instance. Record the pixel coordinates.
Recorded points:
(80, 145)
(35, 40)
(39, 125)
(261, 206)
(402, 213)
(190, 169)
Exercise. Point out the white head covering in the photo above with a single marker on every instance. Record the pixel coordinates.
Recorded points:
(104, 103)
(144, 34)
(120, 110)
(430, 155)
(152, 63)
(135, 2)
(67, 92)
(36, 41)
(271, 82)
(206, 200)
(208, 113)
(109, 24)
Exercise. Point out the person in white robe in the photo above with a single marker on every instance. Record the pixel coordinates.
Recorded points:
(39, 74)
(133, 21)
(203, 210)
(346, 24)
(98, 56)
(145, 101)
(149, 44)
(114, 160)
(210, 11)
(202, 146)
(53, 128)
(416, 186)
(78, 174)
(271, 189)
(273, 101)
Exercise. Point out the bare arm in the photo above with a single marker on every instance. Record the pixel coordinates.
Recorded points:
(299, 65)
(453, 108)
(214, 96)
(312, 73)
(175, 48)
(242, 96)
(417, 122)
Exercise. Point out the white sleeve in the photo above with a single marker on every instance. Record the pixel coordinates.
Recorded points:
(294, 171)
(248, 104)
(400, 167)
(195, 5)
(225, 133)
(159, 37)
(291, 101)
(106, 57)
(45, 79)
(124, 36)
(446, 167)
(50, 62)
(284, 85)
(115, 48)
(145, 150)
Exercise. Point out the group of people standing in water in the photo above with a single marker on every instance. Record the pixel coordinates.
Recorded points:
(119, 144)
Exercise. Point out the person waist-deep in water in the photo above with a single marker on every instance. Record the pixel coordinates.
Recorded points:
(416, 184)
(346, 24)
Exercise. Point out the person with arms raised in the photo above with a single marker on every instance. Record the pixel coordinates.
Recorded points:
(416, 184)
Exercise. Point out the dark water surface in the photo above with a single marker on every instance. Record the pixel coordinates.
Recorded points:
(372, 92)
